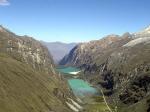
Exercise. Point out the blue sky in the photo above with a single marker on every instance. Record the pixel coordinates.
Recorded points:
(74, 20)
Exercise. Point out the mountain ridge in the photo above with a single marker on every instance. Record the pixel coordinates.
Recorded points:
(28, 79)
(121, 69)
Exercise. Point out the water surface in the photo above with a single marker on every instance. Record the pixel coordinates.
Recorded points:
(68, 70)
(80, 87)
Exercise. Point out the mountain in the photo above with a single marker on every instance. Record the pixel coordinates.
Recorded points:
(144, 32)
(27, 77)
(58, 49)
(120, 66)
(86, 52)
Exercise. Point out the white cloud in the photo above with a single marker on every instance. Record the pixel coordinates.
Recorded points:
(4, 2)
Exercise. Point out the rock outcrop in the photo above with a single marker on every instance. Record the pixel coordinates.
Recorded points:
(27, 77)
(120, 65)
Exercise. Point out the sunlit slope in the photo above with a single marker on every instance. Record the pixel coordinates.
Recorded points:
(22, 89)
(28, 82)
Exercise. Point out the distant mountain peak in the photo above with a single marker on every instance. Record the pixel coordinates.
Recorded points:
(58, 49)
(2, 28)
(7, 31)
(147, 29)
(112, 35)
(144, 31)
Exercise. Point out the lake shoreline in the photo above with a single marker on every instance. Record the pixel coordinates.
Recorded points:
(79, 86)
(89, 94)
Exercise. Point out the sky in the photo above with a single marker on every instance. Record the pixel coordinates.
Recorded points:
(74, 20)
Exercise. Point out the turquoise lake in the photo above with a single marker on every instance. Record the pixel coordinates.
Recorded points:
(67, 70)
(79, 87)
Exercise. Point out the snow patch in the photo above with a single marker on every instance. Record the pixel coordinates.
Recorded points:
(72, 107)
(74, 73)
(148, 29)
(75, 104)
(144, 31)
(137, 41)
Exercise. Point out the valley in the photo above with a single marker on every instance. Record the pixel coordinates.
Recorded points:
(79, 87)
(118, 66)
(90, 97)
(74, 56)
(106, 75)
(28, 80)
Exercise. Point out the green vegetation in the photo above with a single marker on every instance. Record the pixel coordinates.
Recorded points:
(28, 82)
(118, 65)
(101, 107)
(23, 89)
(97, 104)
(80, 87)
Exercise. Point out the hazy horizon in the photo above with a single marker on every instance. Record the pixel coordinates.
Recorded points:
(70, 21)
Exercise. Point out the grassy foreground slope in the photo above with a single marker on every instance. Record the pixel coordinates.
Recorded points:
(22, 89)
(28, 82)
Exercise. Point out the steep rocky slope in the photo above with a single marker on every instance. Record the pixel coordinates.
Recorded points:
(85, 53)
(120, 66)
(27, 77)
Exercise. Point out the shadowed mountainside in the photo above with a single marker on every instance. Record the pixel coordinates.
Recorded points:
(120, 65)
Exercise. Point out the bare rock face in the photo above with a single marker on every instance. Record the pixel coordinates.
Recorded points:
(85, 52)
(27, 77)
(120, 65)
(25, 49)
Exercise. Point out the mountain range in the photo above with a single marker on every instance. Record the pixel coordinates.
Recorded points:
(58, 49)
(28, 81)
(120, 66)
(117, 65)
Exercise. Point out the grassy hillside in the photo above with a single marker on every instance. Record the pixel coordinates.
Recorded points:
(28, 82)
(22, 89)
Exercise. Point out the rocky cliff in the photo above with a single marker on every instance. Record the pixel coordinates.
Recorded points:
(27, 77)
(86, 53)
(120, 65)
